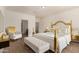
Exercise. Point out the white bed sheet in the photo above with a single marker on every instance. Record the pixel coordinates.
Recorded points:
(49, 37)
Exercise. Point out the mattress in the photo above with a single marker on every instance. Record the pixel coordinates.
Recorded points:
(49, 37)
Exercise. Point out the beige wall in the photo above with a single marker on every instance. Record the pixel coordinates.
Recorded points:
(1, 19)
(1, 22)
(12, 18)
(66, 16)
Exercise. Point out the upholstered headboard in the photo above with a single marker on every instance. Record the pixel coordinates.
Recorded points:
(62, 27)
(11, 29)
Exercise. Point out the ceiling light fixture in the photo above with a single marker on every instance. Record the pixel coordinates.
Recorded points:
(43, 7)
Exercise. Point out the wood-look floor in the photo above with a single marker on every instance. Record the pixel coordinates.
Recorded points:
(18, 46)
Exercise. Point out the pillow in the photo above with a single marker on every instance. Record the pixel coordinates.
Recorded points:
(51, 30)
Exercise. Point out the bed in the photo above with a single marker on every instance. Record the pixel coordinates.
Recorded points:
(59, 35)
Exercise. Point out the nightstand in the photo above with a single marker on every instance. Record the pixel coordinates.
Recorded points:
(75, 38)
(4, 43)
(75, 34)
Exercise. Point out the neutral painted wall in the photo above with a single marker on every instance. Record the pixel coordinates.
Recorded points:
(12, 18)
(1, 22)
(66, 16)
(1, 19)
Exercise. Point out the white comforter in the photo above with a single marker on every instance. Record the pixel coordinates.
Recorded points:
(49, 37)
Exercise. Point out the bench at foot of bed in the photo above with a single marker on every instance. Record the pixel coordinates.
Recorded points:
(37, 45)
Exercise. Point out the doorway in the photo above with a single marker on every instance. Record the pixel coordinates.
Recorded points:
(37, 27)
(24, 27)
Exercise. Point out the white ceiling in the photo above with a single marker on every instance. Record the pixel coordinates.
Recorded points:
(38, 11)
